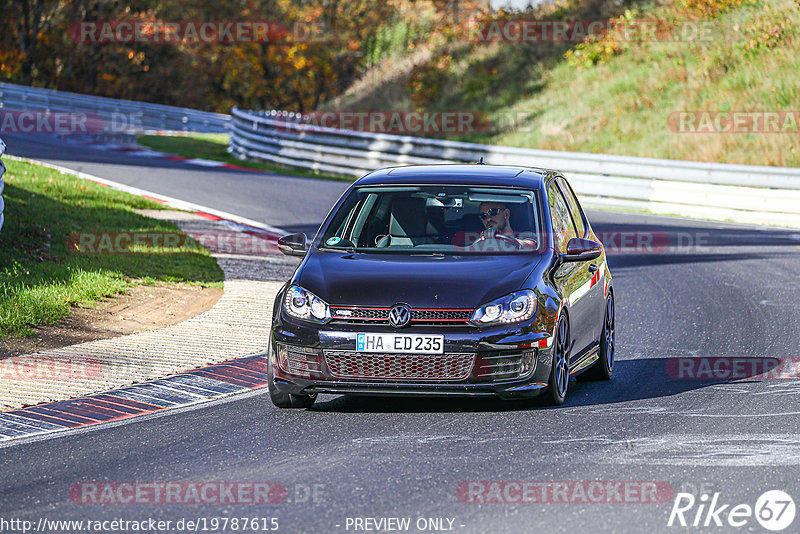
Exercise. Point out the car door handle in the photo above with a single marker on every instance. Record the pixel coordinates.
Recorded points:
(592, 268)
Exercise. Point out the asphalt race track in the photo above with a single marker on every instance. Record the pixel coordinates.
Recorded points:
(295, 204)
(719, 290)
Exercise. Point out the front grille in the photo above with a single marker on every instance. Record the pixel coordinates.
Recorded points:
(497, 367)
(360, 315)
(381, 315)
(441, 315)
(350, 364)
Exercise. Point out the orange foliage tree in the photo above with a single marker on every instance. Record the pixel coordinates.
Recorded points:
(314, 54)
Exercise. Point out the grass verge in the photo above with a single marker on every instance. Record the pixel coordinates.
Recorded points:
(214, 146)
(41, 277)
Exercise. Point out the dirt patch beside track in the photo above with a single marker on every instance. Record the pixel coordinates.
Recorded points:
(142, 308)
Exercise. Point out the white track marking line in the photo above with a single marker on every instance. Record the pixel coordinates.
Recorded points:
(169, 201)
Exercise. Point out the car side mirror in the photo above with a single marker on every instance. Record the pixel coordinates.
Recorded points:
(293, 245)
(582, 249)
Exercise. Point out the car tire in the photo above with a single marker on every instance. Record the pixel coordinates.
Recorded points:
(287, 400)
(604, 366)
(558, 383)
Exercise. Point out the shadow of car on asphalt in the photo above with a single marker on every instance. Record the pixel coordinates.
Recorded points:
(633, 380)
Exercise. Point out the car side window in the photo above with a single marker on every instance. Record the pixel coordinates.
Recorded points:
(572, 204)
(563, 228)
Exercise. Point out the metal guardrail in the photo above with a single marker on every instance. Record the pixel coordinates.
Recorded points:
(744, 193)
(118, 115)
(2, 185)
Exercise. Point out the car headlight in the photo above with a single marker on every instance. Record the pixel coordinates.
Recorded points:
(512, 308)
(302, 304)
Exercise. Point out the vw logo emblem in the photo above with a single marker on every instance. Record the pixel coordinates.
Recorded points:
(399, 315)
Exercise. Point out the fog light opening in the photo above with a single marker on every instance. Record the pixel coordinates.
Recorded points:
(299, 362)
(282, 356)
(528, 363)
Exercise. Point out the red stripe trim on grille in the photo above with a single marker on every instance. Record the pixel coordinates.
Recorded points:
(412, 309)
(443, 309)
(438, 320)
(356, 308)
(361, 318)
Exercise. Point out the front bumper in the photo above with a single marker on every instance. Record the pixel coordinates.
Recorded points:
(494, 344)
(506, 391)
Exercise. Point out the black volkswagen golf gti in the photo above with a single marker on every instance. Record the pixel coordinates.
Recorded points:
(445, 280)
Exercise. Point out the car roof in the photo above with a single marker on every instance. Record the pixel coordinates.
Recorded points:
(457, 174)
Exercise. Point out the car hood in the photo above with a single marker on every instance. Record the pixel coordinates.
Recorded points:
(348, 279)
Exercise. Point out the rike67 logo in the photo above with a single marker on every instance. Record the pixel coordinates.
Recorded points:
(774, 510)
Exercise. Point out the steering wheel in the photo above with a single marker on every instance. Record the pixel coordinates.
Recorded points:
(492, 233)
(381, 240)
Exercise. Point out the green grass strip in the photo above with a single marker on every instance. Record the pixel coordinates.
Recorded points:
(214, 146)
(41, 277)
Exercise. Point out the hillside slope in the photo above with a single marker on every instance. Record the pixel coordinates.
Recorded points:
(614, 95)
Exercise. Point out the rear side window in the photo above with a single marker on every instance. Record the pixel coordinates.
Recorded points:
(572, 205)
(563, 228)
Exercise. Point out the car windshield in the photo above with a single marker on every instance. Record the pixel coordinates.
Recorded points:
(436, 219)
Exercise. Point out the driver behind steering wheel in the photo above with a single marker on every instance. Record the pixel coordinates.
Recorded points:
(496, 217)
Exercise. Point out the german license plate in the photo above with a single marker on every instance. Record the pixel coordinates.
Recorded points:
(400, 343)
